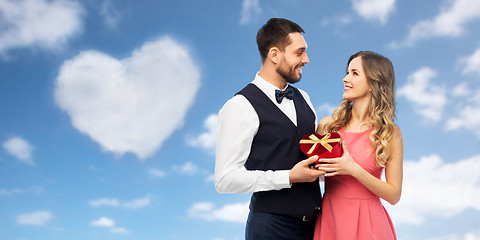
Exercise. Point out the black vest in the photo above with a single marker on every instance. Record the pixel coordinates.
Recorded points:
(276, 147)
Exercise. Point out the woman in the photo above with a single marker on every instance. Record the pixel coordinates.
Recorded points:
(372, 143)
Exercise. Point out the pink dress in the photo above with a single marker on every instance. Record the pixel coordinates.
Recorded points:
(350, 210)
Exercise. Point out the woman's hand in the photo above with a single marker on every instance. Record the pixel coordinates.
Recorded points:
(344, 165)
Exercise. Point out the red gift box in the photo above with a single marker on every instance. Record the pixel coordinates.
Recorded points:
(325, 146)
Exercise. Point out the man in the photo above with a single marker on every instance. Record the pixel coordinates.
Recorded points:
(259, 131)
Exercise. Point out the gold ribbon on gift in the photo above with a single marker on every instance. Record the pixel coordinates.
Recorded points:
(324, 141)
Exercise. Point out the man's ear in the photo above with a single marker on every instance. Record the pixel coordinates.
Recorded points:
(274, 55)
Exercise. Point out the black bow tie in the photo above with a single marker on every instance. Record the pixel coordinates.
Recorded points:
(288, 93)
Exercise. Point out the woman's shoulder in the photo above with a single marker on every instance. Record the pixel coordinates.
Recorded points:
(324, 121)
(396, 138)
(397, 133)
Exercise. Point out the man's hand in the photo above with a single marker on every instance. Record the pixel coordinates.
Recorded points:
(302, 172)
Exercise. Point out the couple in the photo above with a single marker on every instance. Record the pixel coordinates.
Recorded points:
(258, 150)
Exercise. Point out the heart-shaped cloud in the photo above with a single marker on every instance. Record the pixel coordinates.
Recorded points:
(130, 105)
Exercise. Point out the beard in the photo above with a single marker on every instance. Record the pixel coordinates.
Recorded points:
(288, 72)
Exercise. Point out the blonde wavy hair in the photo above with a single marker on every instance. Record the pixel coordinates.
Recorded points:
(381, 79)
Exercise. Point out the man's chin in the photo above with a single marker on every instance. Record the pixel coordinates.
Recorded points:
(290, 77)
(294, 80)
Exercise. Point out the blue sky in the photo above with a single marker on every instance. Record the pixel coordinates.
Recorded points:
(108, 110)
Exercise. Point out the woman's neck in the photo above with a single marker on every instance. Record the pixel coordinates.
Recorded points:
(360, 115)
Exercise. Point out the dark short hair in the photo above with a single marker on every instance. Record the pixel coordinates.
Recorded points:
(274, 33)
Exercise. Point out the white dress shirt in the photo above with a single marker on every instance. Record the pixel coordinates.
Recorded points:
(238, 124)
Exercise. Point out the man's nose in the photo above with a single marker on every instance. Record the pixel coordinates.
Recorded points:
(305, 59)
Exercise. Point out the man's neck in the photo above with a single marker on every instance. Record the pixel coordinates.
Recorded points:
(272, 77)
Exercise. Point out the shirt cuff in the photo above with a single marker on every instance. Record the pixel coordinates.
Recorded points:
(283, 178)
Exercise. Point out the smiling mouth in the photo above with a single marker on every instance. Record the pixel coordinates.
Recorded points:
(299, 68)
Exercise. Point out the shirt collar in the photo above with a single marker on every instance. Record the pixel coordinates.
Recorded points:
(265, 86)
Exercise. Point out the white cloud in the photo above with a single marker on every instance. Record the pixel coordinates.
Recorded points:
(336, 20)
(210, 178)
(237, 212)
(14, 191)
(103, 222)
(450, 22)
(19, 148)
(207, 139)
(113, 202)
(461, 90)
(138, 203)
(325, 110)
(95, 168)
(156, 173)
(467, 236)
(130, 105)
(374, 9)
(5, 192)
(30, 23)
(108, 223)
(428, 99)
(472, 63)
(119, 230)
(34, 218)
(250, 10)
(110, 14)
(188, 168)
(468, 116)
(434, 188)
